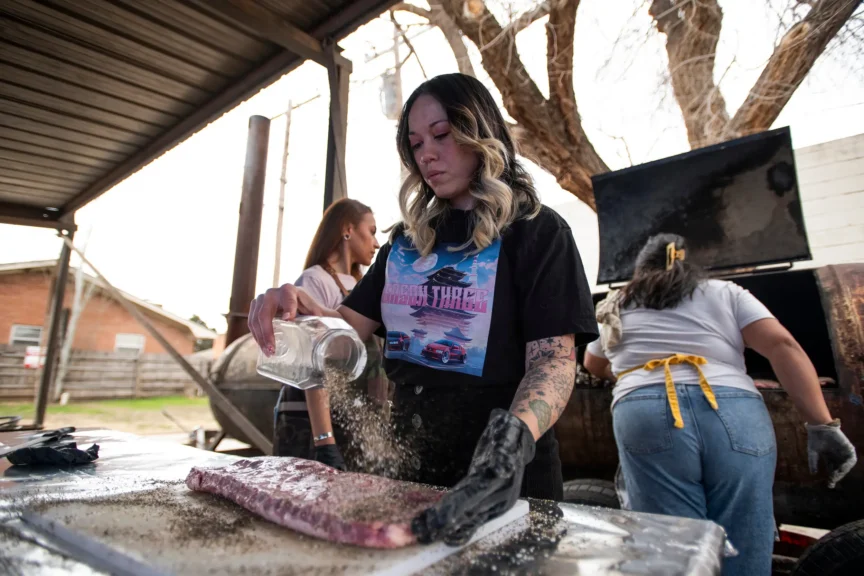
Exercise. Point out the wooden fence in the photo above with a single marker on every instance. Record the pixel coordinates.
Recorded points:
(101, 376)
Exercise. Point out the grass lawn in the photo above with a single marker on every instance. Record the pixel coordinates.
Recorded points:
(139, 416)
(103, 406)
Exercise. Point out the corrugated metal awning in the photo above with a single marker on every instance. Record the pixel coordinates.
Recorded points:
(93, 90)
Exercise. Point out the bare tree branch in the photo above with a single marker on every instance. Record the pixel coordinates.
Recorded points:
(408, 43)
(584, 161)
(623, 141)
(425, 27)
(417, 10)
(522, 97)
(439, 18)
(546, 134)
(559, 62)
(790, 63)
(692, 29)
(519, 23)
(629, 41)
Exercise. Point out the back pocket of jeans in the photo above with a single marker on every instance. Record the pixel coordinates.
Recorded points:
(641, 424)
(747, 422)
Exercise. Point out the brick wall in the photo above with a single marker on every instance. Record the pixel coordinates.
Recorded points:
(24, 300)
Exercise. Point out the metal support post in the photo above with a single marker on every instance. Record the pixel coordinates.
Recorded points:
(54, 329)
(335, 183)
(249, 228)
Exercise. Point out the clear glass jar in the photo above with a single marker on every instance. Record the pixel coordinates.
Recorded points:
(308, 345)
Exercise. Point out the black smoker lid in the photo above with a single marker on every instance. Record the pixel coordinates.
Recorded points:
(736, 203)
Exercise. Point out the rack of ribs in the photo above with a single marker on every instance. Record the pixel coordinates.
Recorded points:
(312, 498)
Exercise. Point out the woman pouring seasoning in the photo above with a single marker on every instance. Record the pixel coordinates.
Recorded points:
(344, 241)
(694, 436)
(483, 299)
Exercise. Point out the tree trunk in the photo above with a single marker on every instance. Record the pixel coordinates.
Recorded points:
(549, 131)
(789, 65)
(83, 290)
(453, 36)
(583, 161)
(692, 31)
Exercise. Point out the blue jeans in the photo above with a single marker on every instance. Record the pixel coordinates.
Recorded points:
(719, 467)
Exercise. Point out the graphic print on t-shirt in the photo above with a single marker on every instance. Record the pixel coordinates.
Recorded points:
(438, 308)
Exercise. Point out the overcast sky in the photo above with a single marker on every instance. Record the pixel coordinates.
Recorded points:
(167, 233)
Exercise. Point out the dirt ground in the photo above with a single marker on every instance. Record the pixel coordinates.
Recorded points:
(146, 417)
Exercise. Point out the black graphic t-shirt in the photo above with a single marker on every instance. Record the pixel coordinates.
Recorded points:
(457, 319)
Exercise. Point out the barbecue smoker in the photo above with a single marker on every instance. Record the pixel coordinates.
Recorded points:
(738, 205)
(235, 374)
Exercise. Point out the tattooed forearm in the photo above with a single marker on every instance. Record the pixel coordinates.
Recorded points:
(542, 412)
(550, 366)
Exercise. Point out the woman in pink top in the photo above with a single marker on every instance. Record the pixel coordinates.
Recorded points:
(345, 241)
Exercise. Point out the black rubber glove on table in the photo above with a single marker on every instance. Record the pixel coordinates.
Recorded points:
(490, 488)
(60, 453)
(330, 455)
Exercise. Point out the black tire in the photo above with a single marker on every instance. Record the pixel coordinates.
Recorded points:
(445, 358)
(592, 492)
(838, 553)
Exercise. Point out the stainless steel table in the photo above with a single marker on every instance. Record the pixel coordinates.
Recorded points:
(132, 500)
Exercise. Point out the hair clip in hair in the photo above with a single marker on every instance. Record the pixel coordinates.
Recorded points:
(672, 254)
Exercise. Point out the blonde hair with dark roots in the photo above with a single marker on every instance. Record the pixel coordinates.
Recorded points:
(502, 189)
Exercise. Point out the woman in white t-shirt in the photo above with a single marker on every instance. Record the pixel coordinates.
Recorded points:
(345, 241)
(694, 436)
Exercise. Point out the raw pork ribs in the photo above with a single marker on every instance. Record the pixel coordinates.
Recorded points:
(320, 501)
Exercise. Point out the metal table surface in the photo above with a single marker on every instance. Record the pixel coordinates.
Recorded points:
(552, 539)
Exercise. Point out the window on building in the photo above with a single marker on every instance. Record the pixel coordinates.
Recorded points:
(25, 335)
(129, 343)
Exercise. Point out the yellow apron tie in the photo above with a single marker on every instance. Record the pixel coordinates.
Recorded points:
(694, 361)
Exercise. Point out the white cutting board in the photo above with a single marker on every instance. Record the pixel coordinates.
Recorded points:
(428, 555)
(146, 530)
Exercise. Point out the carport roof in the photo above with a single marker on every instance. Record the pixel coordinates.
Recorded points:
(93, 90)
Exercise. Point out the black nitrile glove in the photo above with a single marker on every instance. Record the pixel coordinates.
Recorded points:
(827, 441)
(491, 487)
(62, 454)
(330, 455)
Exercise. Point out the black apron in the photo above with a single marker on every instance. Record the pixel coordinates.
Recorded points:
(292, 432)
(443, 425)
